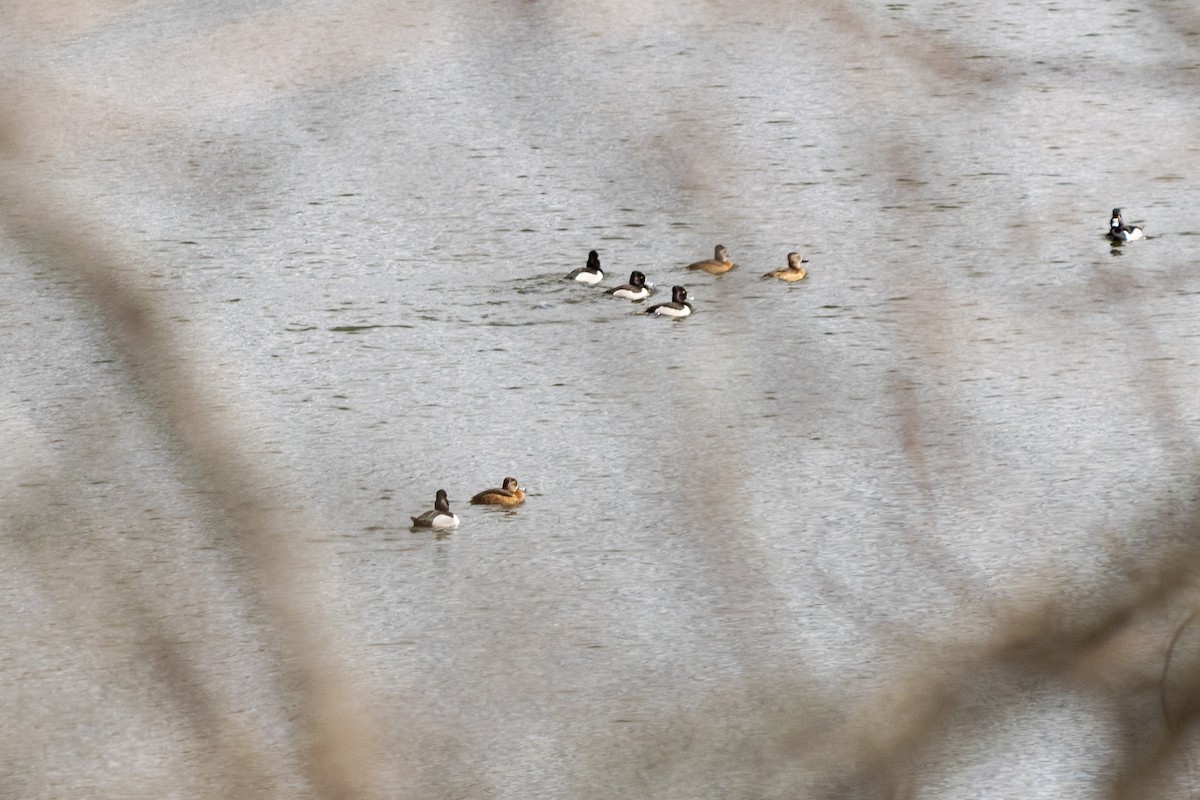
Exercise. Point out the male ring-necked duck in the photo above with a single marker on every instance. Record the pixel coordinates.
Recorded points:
(1118, 231)
(793, 272)
(636, 289)
(508, 495)
(678, 307)
(591, 274)
(718, 264)
(440, 517)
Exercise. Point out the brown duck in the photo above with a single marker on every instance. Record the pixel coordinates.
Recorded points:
(793, 272)
(508, 495)
(720, 262)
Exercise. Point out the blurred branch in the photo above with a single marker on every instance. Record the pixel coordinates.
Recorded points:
(339, 735)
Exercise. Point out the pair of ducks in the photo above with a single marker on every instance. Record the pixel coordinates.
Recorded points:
(592, 274)
(509, 494)
(1118, 231)
(637, 288)
(721, 263)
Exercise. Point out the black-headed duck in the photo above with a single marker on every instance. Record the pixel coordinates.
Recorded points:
(440, 516)
(636, 289)
(590, 274)
(678, 307)
(1118, 231)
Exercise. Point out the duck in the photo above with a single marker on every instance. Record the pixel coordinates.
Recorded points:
(591, 274)
(678, 307)
(636, 289)
(440, 517)
(793, 272)
(508, 495)
(1118, 231)
(719, 264)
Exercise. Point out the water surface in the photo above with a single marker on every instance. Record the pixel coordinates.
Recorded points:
(357, 218)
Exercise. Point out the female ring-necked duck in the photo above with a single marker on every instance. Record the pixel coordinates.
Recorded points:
(440, 517)
(636, 289)
(508, 495)
(794, 272)
(1118, 231)
(718, 264)
(678, 307)
(591, 274)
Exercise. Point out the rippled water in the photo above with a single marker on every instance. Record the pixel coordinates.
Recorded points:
(358, 218)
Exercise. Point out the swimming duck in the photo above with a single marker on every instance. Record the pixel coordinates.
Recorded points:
(636, 289)
(1118, 231)
(591, 274)
(718, 264)
(794, 272)
(508, 495)
(440, 517)
(678, 307)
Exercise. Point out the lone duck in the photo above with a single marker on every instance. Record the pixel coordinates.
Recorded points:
(591, 274)
(508, 495)
(793, 272)
(440, 517)
(720, 262)
(636, 289)
(678, 307)
(1118, 231)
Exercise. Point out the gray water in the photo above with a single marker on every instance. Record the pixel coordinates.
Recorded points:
(356, 219)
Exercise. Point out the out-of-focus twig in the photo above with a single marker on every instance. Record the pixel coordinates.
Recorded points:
(339, 747)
